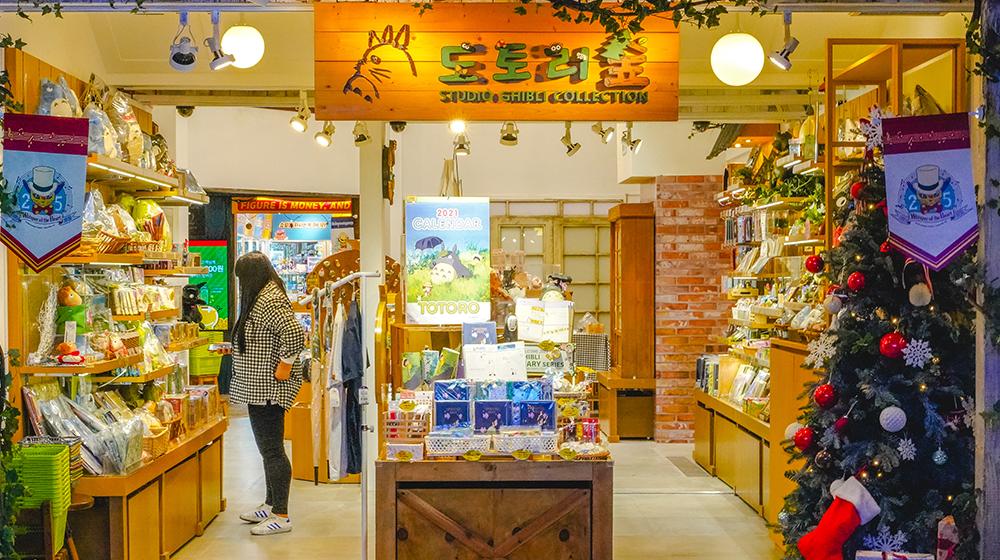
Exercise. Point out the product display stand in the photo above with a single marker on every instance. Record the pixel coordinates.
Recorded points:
(364, 397)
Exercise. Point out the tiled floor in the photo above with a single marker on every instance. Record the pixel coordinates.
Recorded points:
(665, 507)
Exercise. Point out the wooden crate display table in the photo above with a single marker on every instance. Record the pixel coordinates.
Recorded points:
(150, 513)
(493, 509)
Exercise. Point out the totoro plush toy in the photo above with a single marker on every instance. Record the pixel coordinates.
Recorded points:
(448, 267)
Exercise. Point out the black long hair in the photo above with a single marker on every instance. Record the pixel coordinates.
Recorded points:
(254, 271)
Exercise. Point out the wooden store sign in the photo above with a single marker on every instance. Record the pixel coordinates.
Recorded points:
(380, 61)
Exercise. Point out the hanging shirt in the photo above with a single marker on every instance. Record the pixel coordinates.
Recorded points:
(336, 409)
(272, 335)
(354, 375)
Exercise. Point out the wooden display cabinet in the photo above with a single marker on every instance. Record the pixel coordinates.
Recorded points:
(627, 393)
(494, 509)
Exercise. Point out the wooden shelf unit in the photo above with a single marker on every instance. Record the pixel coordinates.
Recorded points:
(124, 379)
(99, 259)
(186, 344)
(83, 369)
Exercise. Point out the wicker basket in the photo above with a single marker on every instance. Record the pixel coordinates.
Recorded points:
(456, 446)
(543, 444)
(107, 243)
(130, 339)
(406, 427)
(156, 444)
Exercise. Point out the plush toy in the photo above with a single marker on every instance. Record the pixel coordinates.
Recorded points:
(50, 94)
(100, 343)
(102, 135)
(66, 348)
(68, 297)
(133, 145)
(70, 96)
(116, 346)
(190, 301)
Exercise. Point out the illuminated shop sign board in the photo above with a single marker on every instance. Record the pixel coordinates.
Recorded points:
(338, 208)
(378, 61)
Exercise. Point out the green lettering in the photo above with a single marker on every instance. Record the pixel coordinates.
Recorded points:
(642, 97)
(463, 73)
(509, 58)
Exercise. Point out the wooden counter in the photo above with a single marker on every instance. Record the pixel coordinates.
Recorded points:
(490, 509)
(626, 406)
(151, 512)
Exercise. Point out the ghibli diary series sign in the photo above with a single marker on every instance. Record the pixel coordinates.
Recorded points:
(379, 61)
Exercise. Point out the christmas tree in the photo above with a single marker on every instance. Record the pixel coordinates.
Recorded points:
(887, 435)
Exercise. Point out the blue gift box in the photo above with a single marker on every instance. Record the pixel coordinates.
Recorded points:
(526, 390)
(451, 413)
(537, 413)
(452, 390)
(493, 390)
(491, 414)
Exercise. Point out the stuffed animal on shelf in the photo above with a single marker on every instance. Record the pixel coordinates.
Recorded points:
(69, 297)
(71, 358)
(190, 301)
(116, 346)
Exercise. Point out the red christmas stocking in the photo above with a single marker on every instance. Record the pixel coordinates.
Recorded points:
(852, 506)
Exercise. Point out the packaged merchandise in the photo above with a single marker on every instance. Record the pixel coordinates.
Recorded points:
(404, 452)
(451, 413)
(181, 403)
(429, 361)
(412, 370)
(447, 365)
(492, 390)
(537, 413)
(452, 390)
(490, 416)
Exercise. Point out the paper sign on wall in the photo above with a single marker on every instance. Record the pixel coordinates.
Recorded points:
(930, 189)
(495, 361)
(45, 166)
(539, 321)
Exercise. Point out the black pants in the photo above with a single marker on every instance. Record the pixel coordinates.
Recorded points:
(268, 424)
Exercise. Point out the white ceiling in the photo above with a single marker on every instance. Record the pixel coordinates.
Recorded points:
(131, 50)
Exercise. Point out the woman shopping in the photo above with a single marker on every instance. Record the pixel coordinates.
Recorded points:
(267, 340)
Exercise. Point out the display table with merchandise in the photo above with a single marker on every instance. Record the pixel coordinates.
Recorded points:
(543, 509)
(152, 511)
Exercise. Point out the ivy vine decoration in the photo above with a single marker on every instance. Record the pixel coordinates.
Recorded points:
(10, 486)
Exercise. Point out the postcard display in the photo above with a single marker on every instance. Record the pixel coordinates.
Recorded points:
(487, 397)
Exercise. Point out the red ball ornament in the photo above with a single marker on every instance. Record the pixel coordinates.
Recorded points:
(856, 281)
(892, 345)
(815, 264)
(840, 426)
(804, 438)
(886, 247)
(856, 190)
(832, 289)
(825, 395)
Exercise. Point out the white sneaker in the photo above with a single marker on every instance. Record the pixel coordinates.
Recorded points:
(272, 526)
(262, 513)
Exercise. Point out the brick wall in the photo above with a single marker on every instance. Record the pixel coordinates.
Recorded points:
(691, 311)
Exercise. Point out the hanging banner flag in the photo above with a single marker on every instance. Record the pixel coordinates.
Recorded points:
(930, 190)
(45, 168)
(447, 260)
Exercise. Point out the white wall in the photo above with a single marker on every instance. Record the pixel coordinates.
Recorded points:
(255, 149)
(536, 168)
(666, 150)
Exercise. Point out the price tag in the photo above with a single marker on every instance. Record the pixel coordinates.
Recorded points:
(522, 454)
(404, 456)
(546, 345)
(407, 406)
(333, 394)
(472, 455)
(70, 331)
(570, 411)
(564, 401)
(363, 396)
(567, 453)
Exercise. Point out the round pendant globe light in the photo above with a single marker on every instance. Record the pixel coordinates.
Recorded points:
(737, 59)
(245, 43)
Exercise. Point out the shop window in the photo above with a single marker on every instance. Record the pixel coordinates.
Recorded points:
(572, 237)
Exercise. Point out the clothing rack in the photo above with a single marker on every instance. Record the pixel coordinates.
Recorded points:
(329, 290)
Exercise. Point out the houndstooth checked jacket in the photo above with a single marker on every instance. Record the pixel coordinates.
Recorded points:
(272, 333)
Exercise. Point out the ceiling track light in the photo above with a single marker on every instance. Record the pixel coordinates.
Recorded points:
(457, 126)
(325, 137)
(508, 134)
(567, 140)
(183, 54)
(300, 122)
(361, 136)
(214, 43)
(633, 145)
(462, 144)
(780, 58)
(605, 133)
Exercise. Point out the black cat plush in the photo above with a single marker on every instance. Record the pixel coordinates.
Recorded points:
(190, 302)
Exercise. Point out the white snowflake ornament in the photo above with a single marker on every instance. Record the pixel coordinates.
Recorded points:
(821, 350)
(907, 449)
(886, 542)
(917, 353)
